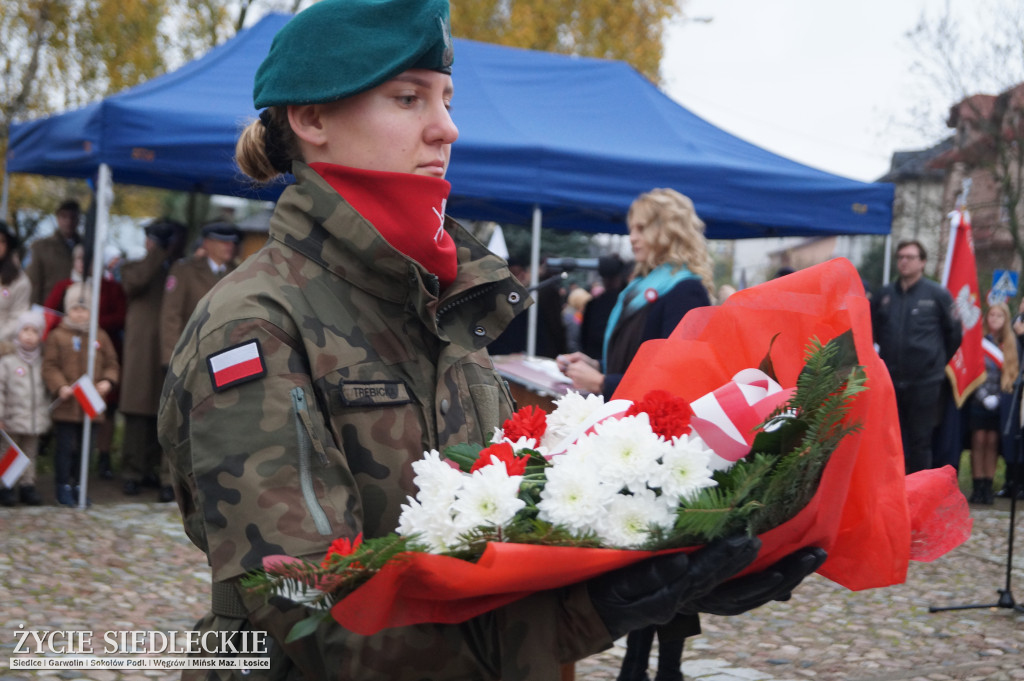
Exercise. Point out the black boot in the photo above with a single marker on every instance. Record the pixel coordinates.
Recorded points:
(987, 497)
(28, 495)
(975, 497)
(638, 653)
(670, 658)
(7, 497)
(1011, 475)
(106, 472)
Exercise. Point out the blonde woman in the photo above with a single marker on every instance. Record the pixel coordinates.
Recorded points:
(1001, 364)
(671, 277)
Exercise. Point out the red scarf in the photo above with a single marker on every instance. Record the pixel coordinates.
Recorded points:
(407, 210)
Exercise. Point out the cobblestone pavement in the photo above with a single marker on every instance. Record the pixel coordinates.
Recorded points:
(122, 567)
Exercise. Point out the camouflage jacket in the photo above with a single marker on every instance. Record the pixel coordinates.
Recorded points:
(353, 366)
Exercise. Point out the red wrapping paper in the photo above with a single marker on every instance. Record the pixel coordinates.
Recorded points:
(860, 514)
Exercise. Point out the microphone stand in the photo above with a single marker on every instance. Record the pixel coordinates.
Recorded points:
(1006, 599)
(550, 281)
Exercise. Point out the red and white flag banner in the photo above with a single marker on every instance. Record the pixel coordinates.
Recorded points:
(88, 397)
(966, 371)
(726, 419)
(13, 462)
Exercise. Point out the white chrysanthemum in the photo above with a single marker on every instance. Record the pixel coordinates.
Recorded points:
(525, 443)
(571, 410)
(626, 451)
(490, 496)
(437, 480)
(578, 453)
(685, 469)
(574, 495)
(629, 517)
(434, 525)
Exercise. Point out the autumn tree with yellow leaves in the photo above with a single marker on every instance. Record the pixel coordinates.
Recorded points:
(628, 30)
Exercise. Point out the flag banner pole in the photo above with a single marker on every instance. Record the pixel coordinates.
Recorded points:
(966, 370)
(531, 312)
(104, 194)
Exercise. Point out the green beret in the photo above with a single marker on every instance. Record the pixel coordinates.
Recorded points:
(338, 48)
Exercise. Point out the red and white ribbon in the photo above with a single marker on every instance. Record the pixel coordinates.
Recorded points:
(992, 351)
(726, 418)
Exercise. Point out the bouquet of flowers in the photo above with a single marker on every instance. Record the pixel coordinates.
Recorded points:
(554, 499)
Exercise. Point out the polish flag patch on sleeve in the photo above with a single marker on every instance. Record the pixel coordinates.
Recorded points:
(235, 365)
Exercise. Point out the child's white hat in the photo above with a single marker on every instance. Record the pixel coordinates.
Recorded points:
(78, 294)
(32, 318)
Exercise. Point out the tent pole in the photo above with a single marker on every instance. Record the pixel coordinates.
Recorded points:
(3, 198)
(104, 192)
(531, 325)
(887, 259)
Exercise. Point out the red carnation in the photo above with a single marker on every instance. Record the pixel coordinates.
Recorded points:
(342, 546)
(669, 414)
(530, 422)
(515, 465)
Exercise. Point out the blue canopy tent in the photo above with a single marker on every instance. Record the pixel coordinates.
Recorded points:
(574, 139)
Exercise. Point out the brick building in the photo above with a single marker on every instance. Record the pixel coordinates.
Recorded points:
(988, 149)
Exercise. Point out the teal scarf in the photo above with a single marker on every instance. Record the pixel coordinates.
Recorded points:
(640, 292)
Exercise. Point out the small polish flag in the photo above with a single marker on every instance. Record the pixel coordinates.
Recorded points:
(52, 317)
(87, 396)
(13, 463)
(236, 364)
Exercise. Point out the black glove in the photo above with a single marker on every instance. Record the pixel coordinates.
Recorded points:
(774, 583)
(653, 591)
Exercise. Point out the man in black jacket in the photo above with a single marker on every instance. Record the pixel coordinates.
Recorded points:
(917, 331)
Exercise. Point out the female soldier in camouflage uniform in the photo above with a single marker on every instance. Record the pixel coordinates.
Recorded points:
(308, 381)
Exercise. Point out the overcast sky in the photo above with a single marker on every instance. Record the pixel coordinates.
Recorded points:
(823, 82)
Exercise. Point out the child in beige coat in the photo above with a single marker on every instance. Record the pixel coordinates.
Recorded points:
(24, 403)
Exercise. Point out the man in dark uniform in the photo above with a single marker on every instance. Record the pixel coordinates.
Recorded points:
(190, 279)
(143, 281)
(917, 331)
(50, 260)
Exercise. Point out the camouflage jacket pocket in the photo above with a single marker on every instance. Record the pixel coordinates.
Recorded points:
(308, 445)
(492, 401)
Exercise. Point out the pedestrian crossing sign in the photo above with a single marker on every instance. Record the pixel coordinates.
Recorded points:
(1004, 286)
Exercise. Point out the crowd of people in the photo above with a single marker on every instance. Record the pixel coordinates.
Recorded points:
(45, 311)
(918, 329)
